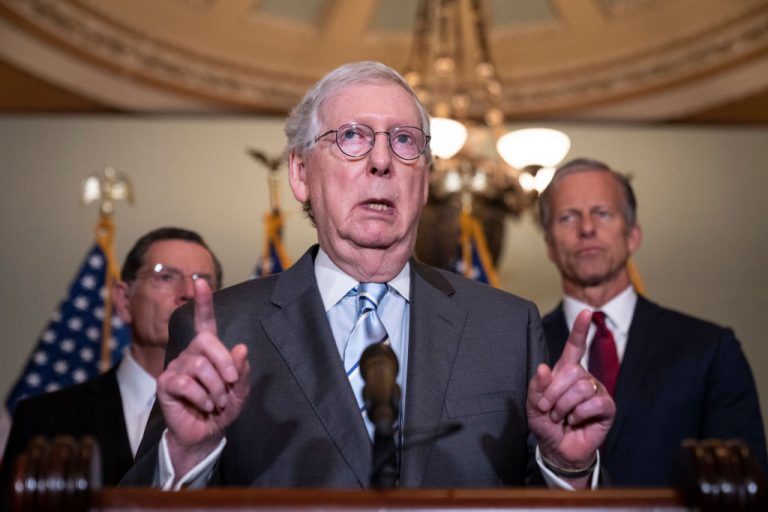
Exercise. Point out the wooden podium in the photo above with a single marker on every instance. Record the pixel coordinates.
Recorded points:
(401, 500)
(63, 475)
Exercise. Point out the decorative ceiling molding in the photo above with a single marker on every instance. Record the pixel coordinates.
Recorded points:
(144, 56)
(696, 60)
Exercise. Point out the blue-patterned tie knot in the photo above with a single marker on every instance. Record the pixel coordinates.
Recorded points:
(369, 295)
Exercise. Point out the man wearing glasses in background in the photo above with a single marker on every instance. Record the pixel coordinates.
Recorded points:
(156, 278)
(263, 385)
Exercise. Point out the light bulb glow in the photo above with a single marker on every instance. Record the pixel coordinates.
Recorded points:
(527, 181)
(542, 178)
(533, 146)
(448, 137)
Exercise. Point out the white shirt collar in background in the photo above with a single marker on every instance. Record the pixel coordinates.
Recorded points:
(618, 313)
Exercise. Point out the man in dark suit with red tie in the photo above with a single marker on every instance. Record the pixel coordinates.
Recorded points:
(672, 376)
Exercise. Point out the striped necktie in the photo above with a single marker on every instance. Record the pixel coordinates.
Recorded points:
(368, 329)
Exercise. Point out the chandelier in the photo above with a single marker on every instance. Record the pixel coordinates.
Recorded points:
(451, 69)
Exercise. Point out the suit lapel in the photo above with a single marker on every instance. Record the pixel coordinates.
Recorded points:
(645, 335)
(435, 331)
(300, 331)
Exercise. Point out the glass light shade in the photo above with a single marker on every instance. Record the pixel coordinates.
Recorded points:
(448, 136)
(533, 146)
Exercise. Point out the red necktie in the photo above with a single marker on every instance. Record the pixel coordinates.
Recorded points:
(603, 359)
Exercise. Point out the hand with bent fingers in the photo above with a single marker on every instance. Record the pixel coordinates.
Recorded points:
(569, 411)
(202, 391)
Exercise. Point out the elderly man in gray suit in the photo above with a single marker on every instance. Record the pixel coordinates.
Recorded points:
(262, 388)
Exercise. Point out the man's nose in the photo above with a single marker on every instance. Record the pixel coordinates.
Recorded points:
(186, 289)
(587, 226)
(381, 155)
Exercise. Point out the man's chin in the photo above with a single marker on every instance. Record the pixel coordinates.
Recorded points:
(593, 278)
(377, 240)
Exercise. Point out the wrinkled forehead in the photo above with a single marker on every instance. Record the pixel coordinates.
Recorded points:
(370, 103)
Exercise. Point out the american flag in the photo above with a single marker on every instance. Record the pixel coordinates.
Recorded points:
(69, 349)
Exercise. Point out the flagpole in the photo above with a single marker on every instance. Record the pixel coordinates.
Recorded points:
(273, 219)
(105, 236)
(106, 188)
(472, 238)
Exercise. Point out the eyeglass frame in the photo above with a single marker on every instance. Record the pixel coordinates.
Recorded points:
(427, 138)
(154, 272)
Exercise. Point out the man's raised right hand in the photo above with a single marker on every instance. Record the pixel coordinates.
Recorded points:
(203, 390)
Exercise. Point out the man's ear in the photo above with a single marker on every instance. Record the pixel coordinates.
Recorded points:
(120, 299)
(297, 177)
(634, 239)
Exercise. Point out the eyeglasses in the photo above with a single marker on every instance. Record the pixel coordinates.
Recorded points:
(356, 140)
(167, 278)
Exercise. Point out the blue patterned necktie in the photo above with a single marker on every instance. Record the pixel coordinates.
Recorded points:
(368, 329)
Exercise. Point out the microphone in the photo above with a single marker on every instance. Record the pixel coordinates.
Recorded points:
(381, 394)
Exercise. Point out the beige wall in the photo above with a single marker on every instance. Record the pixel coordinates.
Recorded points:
(701, 194)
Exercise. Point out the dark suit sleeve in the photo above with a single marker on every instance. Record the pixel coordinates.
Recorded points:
(731, 408)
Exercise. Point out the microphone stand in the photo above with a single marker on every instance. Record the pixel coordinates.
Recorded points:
(384, 474)
(378, 367)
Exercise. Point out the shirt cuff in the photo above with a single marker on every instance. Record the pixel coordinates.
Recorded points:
(196, 478)
(555, 482)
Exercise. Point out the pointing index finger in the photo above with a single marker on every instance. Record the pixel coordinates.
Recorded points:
(576, 345)
(205, 320)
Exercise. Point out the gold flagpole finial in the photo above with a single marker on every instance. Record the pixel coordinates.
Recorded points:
(106, 187)
(273, 164)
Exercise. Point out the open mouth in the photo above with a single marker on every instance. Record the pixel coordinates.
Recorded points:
(378, 205)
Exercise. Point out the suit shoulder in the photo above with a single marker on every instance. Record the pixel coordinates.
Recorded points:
(479, 293)
(695, 326)
(250, 292)
(553, 316)
(257, 286)
(63, 399)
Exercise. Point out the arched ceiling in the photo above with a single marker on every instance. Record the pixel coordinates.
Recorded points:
(626, 60)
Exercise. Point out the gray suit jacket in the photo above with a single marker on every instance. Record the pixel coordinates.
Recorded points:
(473, 350)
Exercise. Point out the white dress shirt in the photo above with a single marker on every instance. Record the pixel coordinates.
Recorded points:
(137, 390)
(618, 317)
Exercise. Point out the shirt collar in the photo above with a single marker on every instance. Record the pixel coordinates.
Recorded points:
(136, 383)
(334, 283)
(619, 310)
